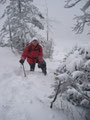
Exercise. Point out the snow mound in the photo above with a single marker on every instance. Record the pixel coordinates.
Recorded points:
(76, 65)
(25, 98)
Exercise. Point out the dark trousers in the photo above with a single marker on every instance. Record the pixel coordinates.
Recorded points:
(32, 67)
(41, 65)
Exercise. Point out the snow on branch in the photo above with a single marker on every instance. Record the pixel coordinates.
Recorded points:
(69, 4)
(72, 80)
(81, 22)
(85, 7)
(2, 1)
(85, 96)
(37, 23)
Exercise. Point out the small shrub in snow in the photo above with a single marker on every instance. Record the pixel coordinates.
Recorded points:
(48, 49)
(85, 103)
(78, 76)
(65, 81)
(86, 87)
(74, 96)
(87, 65)
(74, 75)
(74, 64)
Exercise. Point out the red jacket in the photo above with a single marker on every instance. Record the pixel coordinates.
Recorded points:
(36, 53)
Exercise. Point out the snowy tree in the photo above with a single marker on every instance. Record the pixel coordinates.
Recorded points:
(2, 1)
(48, 49)
(21, 19)
(84, 19)
(72, 77)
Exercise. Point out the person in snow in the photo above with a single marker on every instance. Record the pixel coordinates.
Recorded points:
(34, 54)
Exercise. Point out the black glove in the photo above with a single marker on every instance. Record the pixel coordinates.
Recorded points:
(21, 61)
(42, 64)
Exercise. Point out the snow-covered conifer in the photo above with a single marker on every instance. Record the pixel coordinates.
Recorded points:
(21, 19)
(74, 76)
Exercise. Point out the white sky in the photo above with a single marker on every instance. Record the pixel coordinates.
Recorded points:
(61, 31)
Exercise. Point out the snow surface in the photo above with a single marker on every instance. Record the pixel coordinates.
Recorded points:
(25, 98)
(28, 98)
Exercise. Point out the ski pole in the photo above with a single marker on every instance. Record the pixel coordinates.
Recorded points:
(24, 71)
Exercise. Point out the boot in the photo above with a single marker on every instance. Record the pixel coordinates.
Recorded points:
(44, 71)
(32, 67)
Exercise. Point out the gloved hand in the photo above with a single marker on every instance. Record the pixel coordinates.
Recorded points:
(42, 64)
(21, 61)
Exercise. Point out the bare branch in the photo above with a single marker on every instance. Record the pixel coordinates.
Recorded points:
(2, 1)
(55, 97)
(85, 7)
(81, 22)
(80, 91)
(67, 5)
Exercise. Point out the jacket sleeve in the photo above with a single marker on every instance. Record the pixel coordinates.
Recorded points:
(40, 57)
(25, 53)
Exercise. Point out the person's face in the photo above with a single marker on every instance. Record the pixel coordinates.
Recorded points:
(35, 42)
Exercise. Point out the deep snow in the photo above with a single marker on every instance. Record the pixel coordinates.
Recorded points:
(25, 98)
(28, 98)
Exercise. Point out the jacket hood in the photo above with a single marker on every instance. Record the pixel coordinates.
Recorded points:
(32, 43)
(34, 38)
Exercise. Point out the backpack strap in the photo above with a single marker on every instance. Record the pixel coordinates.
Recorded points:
(35, 49)
(30, 48)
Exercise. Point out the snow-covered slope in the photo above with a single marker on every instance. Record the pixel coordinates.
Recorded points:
(25, 98)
